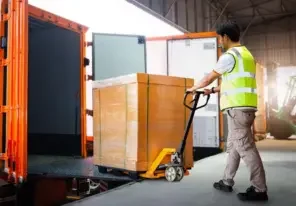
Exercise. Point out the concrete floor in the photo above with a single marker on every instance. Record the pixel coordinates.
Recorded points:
(280, 164)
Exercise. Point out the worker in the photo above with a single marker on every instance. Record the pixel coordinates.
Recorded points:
(238, 99)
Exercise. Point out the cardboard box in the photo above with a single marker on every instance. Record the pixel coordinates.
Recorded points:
(136, 116)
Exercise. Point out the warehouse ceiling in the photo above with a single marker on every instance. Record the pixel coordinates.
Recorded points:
(254, 12)
(203, 15)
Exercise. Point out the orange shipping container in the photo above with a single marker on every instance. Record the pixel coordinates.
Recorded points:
(43, 83)
(135, 117)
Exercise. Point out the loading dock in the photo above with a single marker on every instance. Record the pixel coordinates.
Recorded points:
(18, 156)
(196, 189)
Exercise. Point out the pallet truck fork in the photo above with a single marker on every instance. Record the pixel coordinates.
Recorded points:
(175, 170)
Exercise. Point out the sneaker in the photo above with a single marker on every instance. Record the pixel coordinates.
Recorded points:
(252, 195)
(221, 186)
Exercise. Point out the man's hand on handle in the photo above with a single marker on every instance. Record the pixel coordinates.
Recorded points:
(206, 91)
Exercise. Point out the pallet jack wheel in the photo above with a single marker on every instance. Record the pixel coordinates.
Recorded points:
(171, 174)
(180, 173)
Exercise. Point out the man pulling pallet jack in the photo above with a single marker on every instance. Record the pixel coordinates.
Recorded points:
(239, 101)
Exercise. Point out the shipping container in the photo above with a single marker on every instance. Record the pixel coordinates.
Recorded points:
(115, 55)
(135, 117)
(43, 105)
(43, 89)
(192, 56)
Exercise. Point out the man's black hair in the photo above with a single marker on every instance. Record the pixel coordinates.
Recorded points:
(229, 28)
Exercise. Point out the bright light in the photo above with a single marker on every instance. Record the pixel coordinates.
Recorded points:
(106, 16)
(282, 78)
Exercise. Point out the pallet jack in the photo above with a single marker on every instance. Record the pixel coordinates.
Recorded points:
(175, 170)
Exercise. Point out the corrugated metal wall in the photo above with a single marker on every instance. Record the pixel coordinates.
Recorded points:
(272, 42)
(192, 15)
(276, 47)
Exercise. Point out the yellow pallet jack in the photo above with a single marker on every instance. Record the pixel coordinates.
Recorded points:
(175, 170)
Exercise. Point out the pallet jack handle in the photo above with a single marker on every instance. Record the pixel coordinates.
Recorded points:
(195, 100)
(189, 122)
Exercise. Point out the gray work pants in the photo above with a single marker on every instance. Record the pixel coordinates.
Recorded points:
(241, 144)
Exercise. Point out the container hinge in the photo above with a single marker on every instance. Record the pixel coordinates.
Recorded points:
(89, 112)
(89, 43)
(89, 77)
(141, 40)
(4, 109)
(3, 42)
(86, 61)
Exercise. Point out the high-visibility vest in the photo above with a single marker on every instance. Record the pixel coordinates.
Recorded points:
(238, 87)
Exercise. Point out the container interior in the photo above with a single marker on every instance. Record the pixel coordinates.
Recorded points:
(53, 90)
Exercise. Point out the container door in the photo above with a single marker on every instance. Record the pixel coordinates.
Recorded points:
(21, 69)
(13, 74)
(116, 55)
(195, 58)
(4, 22)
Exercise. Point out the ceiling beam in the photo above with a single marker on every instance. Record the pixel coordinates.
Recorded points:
(269, 21)
(256, 9)
(218, 7)
(157, 15)
(170, 8)
(222, 12)
(212, 5)
(283, 6)
(265, 15)
(254, 5)
(248, 26)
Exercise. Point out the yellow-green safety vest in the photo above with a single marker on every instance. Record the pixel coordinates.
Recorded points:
(238, 87)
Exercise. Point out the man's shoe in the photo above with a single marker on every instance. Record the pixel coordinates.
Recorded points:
(221, 186)
(252, 195)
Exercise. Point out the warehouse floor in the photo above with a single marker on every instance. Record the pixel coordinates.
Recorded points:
(280, 165)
